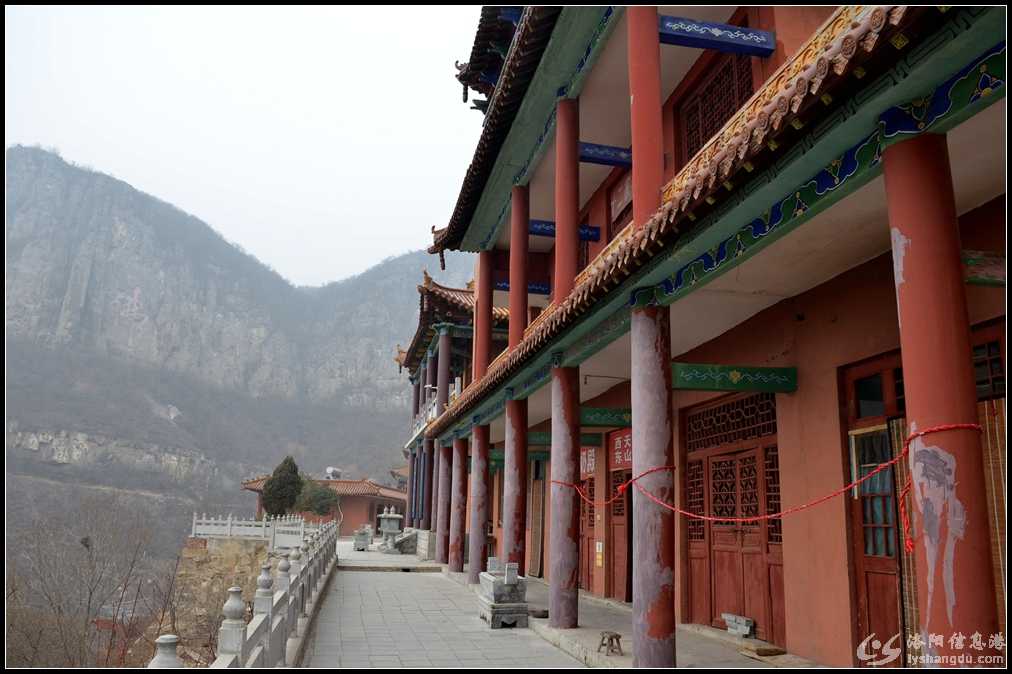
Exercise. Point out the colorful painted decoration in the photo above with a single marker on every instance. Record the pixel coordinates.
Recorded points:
(547, 228)
(703, 377)
(978, 80)
(605, 416)
(682, 32)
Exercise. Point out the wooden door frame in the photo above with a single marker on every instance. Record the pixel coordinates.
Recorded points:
(760, 444)
(980, 333)
(849, 423)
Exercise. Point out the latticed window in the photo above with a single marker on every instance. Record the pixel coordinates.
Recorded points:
(718, 96)
(772, 467)
(618, 505)
(988, 373)
(695, 493)
(744, 418)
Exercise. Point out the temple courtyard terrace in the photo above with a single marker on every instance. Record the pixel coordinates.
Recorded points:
(385, 610)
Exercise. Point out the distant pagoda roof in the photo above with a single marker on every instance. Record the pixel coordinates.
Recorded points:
(441, 304)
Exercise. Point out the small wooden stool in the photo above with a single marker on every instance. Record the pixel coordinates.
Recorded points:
(612, 641)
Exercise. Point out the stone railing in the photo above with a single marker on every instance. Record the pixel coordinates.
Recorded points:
(285, 531)
(283, 609)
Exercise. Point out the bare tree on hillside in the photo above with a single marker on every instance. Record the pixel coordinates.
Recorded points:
(70, 580)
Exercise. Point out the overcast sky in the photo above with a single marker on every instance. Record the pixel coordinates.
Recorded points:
(321, 140)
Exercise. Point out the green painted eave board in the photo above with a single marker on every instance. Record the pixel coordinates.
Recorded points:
(569, 56)
(712, 377)
(965, 35)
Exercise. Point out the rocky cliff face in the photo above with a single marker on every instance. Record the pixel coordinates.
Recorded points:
(139, 337)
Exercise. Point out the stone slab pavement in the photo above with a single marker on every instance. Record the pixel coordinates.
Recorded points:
(692, 649)
(374, 560)
(375, 619)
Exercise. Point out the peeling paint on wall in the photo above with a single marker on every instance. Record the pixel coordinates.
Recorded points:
(933, 471)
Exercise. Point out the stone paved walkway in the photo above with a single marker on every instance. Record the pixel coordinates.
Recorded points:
(392, 619)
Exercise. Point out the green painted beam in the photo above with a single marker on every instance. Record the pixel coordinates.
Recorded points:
(704, 377)
(984, 268)
(605, 416)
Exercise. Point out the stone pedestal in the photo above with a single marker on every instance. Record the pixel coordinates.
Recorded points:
(502, 599)
(363, 537)
(390, 529)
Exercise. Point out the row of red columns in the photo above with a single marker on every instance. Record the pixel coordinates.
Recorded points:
(934, 339)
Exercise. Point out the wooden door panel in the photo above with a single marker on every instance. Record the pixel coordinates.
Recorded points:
(883, 602)
(777, 633)
(727, 585)
(754, 590)
(699, 595)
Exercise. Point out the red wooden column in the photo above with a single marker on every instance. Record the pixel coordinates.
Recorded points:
(653, 526)
(458, 505)
(952, 540)
(443, 375)
(430, 447)
(646, 119)
(564, 544)
(514, 503)
(482, 316)
(409, 514)
(567, 197)
(477, 552)
(443, 513)
(519, 225)
(419, 494)
(427, 496)
(564, 532)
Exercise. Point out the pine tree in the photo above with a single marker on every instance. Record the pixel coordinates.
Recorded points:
(282, 488)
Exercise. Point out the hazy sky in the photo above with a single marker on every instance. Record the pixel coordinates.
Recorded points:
(322, 140)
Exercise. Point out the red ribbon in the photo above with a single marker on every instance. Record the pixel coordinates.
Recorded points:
(908, 541)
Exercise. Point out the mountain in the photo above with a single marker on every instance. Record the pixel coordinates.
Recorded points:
(146, 352)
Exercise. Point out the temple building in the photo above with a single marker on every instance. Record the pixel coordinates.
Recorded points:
(736, 341)
(360, 502)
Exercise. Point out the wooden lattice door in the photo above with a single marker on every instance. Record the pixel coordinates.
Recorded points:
(736, 549)
(621, 527)
(732, 471)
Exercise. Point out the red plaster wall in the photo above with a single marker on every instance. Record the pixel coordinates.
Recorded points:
(847, 319)
(359, 510)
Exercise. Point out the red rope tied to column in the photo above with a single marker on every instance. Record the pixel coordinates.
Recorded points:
(908, 542)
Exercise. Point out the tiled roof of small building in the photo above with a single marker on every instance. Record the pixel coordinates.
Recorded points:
(362, 487)
(796, 95)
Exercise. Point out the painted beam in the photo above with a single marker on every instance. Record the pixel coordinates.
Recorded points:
(682, 32)
(606, 155)
(605, 416)
(705, 377)
(984, 268)
(539, 439)
(547, 228)
(544, 439)
(533, 287)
